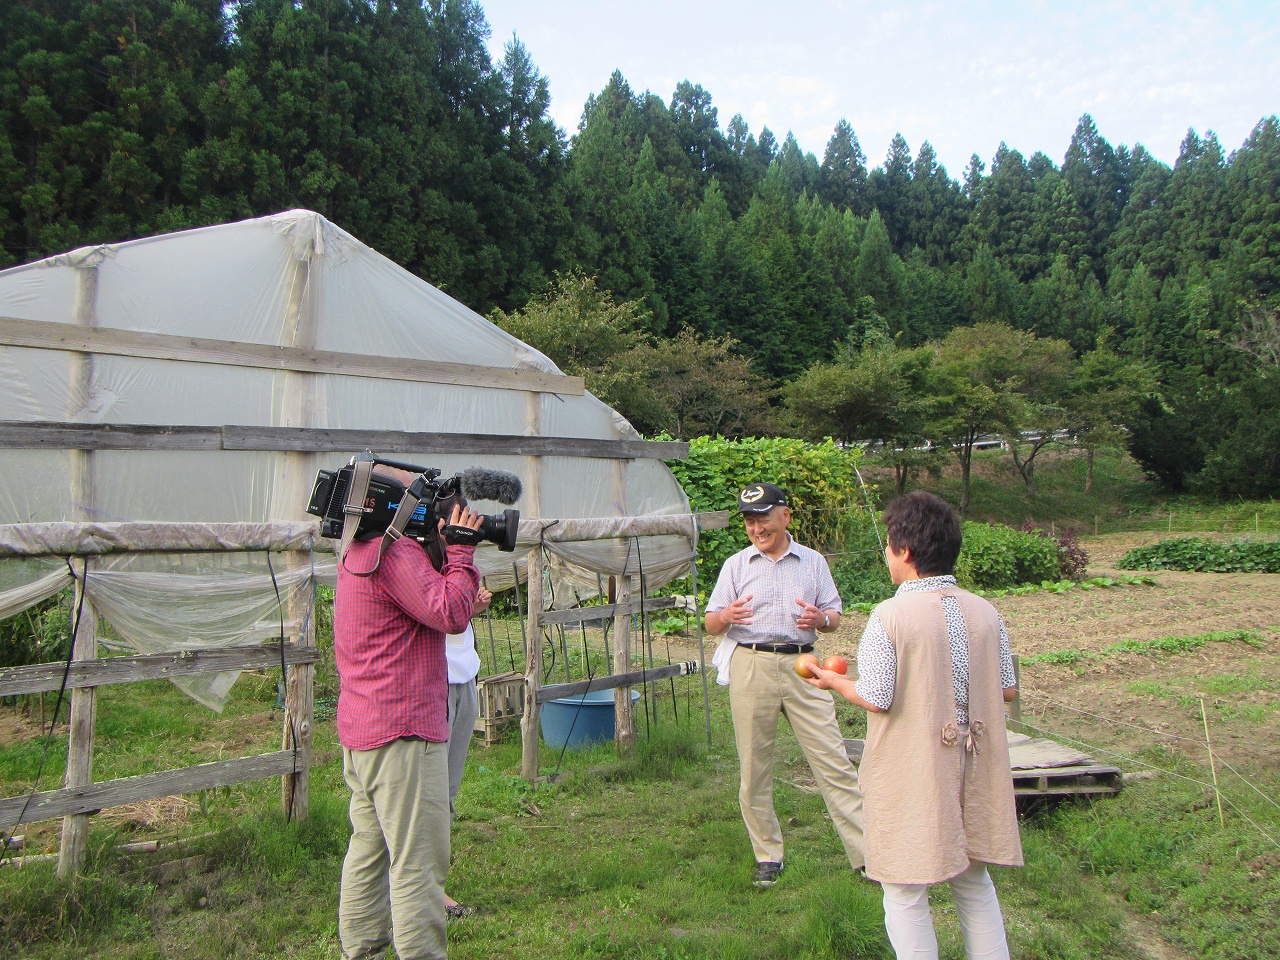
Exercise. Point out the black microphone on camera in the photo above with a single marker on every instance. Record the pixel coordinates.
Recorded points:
(480, 483)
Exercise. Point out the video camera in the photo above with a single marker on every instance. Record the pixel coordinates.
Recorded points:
(436, 498)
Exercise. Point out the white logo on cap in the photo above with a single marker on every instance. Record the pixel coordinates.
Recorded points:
(752, 494)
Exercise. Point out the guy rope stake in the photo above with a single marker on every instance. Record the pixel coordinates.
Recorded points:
(1213, 769)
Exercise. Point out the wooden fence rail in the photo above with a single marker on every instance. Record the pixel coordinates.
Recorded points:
(80, 797)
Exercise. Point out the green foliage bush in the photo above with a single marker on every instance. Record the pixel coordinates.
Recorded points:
(829, 511)
(39, 634)
(1198, 554)
(998, 557)
(831, 514)
(860, 572)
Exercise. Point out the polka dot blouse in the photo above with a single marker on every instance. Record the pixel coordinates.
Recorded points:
(878, 663)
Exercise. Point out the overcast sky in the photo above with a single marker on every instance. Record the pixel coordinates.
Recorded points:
(962, 75)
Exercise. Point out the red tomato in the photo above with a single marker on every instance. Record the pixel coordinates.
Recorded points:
(837, 663)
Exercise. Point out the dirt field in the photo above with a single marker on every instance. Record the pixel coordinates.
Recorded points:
(1127, 701)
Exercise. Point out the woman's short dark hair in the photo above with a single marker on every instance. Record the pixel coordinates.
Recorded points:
(927, 526)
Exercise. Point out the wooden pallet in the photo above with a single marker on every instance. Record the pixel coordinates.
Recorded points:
(1076, 781)
(501, 700)
(1080, 779)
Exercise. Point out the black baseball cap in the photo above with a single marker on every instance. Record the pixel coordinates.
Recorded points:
(761, 498)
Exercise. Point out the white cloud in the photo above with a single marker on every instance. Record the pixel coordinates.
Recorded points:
(964, 76)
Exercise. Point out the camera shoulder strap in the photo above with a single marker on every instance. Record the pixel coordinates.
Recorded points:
(353, 508)
(404, 513)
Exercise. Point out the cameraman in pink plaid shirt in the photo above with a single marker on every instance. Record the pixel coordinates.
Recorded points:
(392, 718)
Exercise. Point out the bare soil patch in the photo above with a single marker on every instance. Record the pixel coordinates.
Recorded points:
(1117, 704)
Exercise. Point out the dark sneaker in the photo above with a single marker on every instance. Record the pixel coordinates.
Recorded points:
(766, 874)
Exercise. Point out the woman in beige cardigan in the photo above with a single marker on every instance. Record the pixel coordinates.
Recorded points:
(934, 673)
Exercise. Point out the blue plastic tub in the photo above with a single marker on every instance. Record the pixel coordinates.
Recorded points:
(579, 722)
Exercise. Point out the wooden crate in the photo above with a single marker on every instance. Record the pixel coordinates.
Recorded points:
(501, 700)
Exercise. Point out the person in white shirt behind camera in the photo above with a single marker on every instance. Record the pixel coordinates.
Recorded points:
(464, 707)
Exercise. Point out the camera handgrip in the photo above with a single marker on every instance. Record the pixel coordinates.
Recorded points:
(456, 533)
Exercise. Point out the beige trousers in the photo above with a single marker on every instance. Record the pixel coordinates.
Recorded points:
(393, 875)
(762, 686)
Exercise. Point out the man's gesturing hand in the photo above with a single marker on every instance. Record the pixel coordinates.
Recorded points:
(739, 611)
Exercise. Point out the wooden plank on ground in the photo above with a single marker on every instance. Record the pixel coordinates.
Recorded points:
(90, 798)
(15, 681)
(1076, 780)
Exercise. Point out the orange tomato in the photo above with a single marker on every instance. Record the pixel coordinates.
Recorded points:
(802, 664)
(837, 663)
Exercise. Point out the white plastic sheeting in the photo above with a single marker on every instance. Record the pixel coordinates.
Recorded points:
(291, 280)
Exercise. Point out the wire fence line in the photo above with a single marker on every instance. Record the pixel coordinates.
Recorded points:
(1098, 748)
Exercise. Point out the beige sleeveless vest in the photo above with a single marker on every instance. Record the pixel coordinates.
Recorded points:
(924, 821)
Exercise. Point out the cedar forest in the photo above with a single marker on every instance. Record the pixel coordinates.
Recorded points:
(703, 278)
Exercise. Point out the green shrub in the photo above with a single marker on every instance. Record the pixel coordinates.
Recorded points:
(829, 506)
(860, 572)
(998, 557)
(1198, 554)
(39, 634)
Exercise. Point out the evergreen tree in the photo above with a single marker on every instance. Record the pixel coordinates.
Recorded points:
(1254, 183)
(842, 179)
(934, 209)
(1197, 202)
(1095, 178)
(99, 103)
(1004, 217)
(800, 170)
(888, 188)
(879, 271)
(1141, 234)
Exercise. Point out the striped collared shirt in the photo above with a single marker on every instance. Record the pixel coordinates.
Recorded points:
(774, 586)
(878, 662)
(389, 641)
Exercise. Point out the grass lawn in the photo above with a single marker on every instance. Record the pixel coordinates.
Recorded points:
(643, 856)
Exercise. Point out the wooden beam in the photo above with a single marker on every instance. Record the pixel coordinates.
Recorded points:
(90, 798)
(66, 538)
(398, 441)
(15, 681)
(51, 435)
(607, 528)
(556, 691)
(43, 335)
(604, 612)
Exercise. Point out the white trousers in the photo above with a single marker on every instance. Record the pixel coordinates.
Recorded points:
(910, 923)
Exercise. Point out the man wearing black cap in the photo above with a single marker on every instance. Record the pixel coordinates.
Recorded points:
(772, 599)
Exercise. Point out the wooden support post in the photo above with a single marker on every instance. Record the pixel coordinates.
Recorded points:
(84, 708)
(624, 724)
(84, 645)
(299, 706)
(530, 729)
(294, 471)
(1015, 705)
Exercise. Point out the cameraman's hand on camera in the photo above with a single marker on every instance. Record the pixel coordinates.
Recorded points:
(463, 526)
